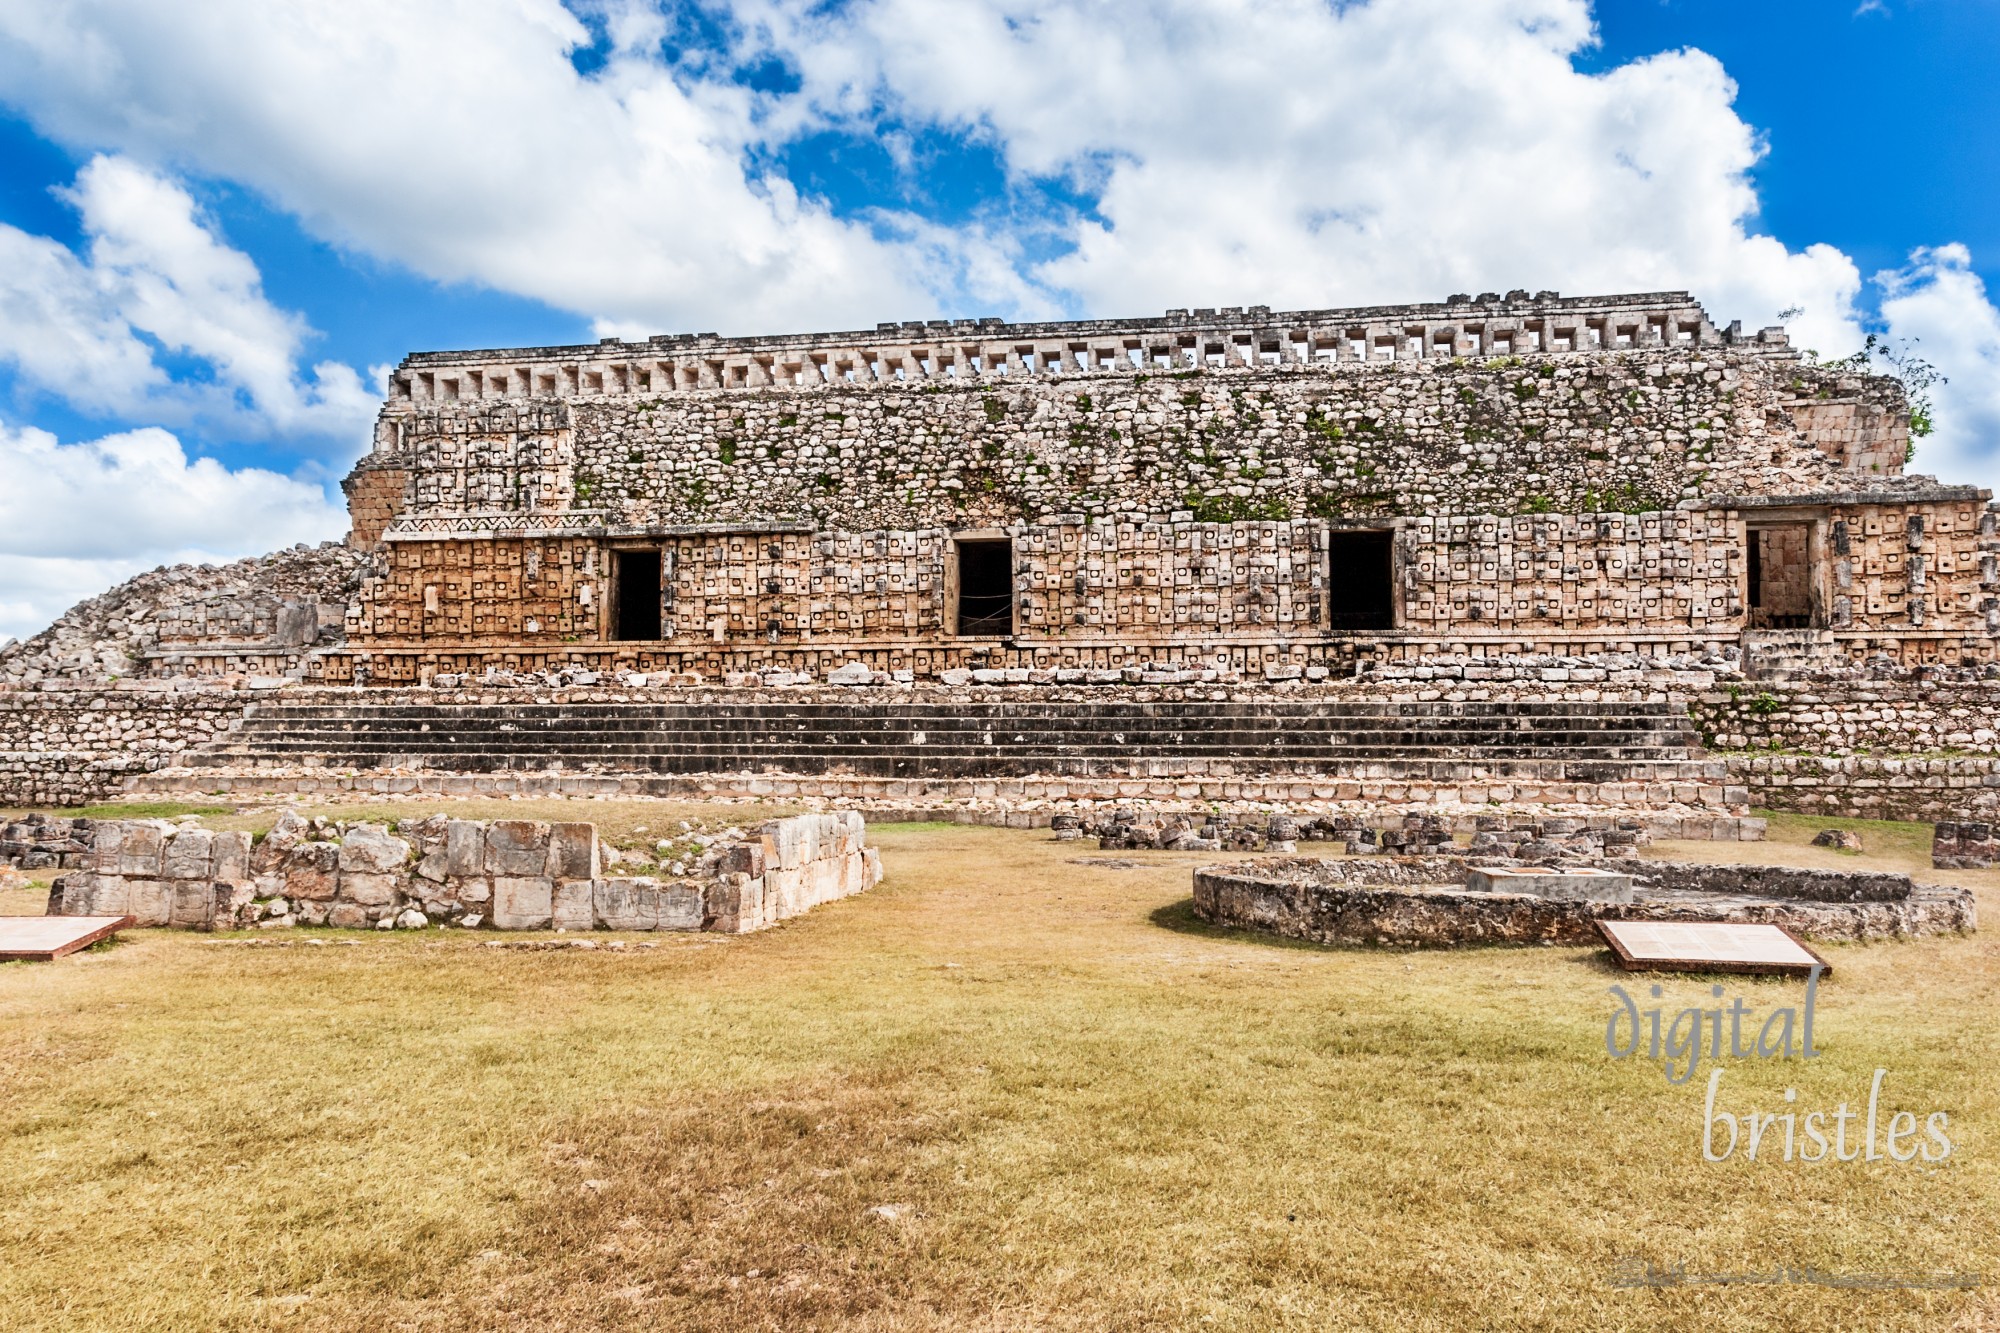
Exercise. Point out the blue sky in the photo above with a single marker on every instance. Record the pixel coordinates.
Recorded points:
(219, 223)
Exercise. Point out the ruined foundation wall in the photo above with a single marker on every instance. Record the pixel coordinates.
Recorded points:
(508, 875)
(72, 745)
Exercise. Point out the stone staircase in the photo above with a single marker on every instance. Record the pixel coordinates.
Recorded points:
(1436, 741)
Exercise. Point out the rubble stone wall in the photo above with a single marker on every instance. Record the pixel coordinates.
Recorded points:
(66, 745)
(506, 874)
(1907, 717)
(1325, 902)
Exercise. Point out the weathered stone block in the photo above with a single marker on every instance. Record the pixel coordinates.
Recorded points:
(285, 835)
(370, 849)
(107, 846)
(680, 907)
(139, 851)
(464, 848)
(517, 848)
(311, 871)
(368, 890)
(149, 901)
(192, 904)
(188, 854)
(572, 907)
(1575, 884)
(626, 904)
(573, 851)
(347, 916)
(522, 903)
(231, 856)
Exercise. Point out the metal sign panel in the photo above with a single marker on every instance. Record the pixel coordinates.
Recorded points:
(43, 938)
(1709, 946)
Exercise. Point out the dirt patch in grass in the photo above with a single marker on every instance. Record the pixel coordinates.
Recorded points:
(1081, 1110)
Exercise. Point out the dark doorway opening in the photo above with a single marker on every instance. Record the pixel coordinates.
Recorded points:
(986, 587)
(1359, 590)
(1780, 576)
(637, 613)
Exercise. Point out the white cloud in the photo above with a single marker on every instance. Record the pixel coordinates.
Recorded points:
(457, 138)
(1938, 309)
(1289, 152)
(154, 273)
(170, 277)
(1296, 154)
(77, 518)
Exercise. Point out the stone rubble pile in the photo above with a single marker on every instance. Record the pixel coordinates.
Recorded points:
(1422, 834)
(116, 633)
(1966, 845)
(43, 842)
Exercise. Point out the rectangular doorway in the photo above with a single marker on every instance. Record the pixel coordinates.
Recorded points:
(636, 609)
(1780, 576)
(986, 587)
(1360, 590)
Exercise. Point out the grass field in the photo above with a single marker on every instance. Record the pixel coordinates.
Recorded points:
(1008, 1089)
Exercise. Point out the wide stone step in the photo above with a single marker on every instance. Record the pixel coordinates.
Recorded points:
(1552, 740)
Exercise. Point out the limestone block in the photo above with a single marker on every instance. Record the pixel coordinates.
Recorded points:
(470, 890)
(464, 848)
(730, 899)
(139, 852)
(232, 856)
(434, 866)
(626, 904)
(745, 858)
(149, 901)
(517, 848)
(107, 846)
(105, 895)
(572, 907)
(368, 890)
(370, 849)
(192, 904)
(311, 871)
(1570, 883)
(573, 851)
(188, 854)
(347, 916)
(290, 830)
(681, 908)
(522, 903)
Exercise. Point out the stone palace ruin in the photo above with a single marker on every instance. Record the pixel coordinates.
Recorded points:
(1242, 488)
(1581, 558)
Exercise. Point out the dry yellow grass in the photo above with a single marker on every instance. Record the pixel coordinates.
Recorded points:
(1087, 1111)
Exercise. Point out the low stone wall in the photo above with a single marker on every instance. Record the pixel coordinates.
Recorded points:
(1387, 901)
(1863, 787)
(1917, 714)
(71, 745)
(507, 874)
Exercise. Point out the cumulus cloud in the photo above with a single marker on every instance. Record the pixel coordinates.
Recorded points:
(153, 276)
(1291, 152)
(1296, 153)
(456, 137)
(76, 518)
(1938, 309)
